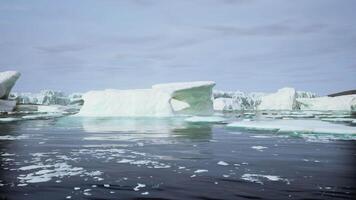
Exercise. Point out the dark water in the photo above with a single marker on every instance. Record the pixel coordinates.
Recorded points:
(168, 159)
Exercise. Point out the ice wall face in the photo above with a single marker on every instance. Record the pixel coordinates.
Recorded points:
(162, 100)
(339, 103)
(283, 99)
(7, 81)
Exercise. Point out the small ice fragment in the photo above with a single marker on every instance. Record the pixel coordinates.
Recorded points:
(223, 163)
(200, 171)
(139, 185)
(76, 188)
(259, 148)
(68, 197)
(107, 185)
(145, 193)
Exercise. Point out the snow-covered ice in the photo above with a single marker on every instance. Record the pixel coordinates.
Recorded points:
(301, 126)
(161, 100)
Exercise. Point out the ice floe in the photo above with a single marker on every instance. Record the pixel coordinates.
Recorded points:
(209, 119)
(301, 126)
(339, 103)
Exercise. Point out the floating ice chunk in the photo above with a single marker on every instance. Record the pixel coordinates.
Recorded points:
(212, 119)
(200, 171)
(257, 178)
(31, 167)
(339, 103)
(10, 137)
(259, 148)
(139, 185)
(145, 193)
(283, 99)
(301, 126)
(9, 119)
(223, 163)
(7, 81)
(161, 100)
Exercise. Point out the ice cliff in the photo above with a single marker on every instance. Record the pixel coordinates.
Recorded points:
(161, 100)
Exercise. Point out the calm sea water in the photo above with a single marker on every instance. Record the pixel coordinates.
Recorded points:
(118, 158)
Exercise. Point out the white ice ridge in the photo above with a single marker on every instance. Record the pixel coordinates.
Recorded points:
(161, 100)
(7, 81)
(301, 126)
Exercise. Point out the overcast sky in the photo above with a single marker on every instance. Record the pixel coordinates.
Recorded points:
(247, 45)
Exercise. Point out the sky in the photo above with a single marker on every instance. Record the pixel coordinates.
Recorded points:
(246, 45)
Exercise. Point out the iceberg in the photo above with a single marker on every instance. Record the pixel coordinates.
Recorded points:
(7, 81)
(192, 98)
(339, 103)
(299, 126)
(283, 99)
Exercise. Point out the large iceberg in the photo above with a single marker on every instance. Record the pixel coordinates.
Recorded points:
(7, 81)
(283, 99)
(161, 100)
(339, 103)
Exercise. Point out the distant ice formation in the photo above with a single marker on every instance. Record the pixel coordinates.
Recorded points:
(283, 99)
(339, 103)
(230, 101)
(46, 97)
(161, 100)
(7, 81)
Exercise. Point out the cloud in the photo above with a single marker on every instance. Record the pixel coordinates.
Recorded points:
(63, 48)
(276, 29)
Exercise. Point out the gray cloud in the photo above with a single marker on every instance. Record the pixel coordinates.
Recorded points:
(62, 48)
(276, 29)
